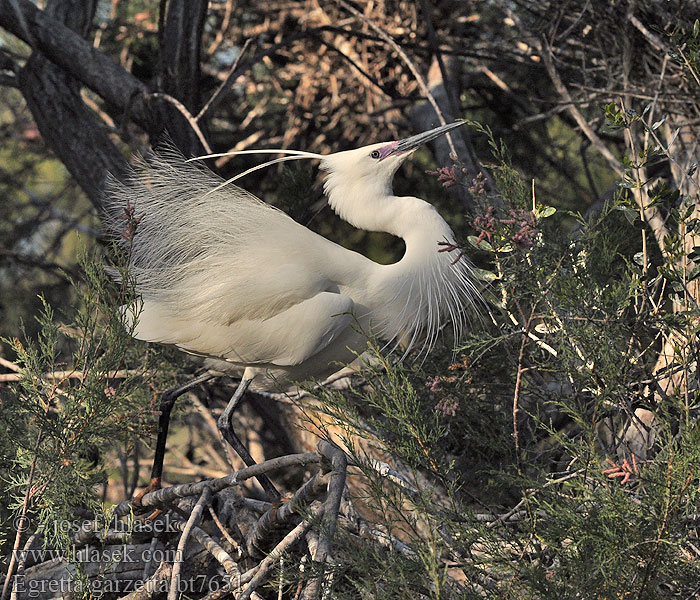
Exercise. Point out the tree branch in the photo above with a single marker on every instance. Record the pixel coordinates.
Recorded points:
(78, 57)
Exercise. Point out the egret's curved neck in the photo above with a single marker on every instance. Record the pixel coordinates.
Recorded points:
(371, 205)
(411, 299)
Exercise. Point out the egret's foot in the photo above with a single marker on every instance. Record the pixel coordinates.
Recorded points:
(153, 486)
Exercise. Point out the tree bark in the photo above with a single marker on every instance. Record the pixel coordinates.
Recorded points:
(67, 125)
(180, 46)
(68, 50)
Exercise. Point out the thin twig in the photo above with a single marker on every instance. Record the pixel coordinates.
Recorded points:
(151, 587)
(409, 63)
(516, 393)
(331, 508)
(223, 530)
(22, 522)
(613, 162)
(195, 516)
(268, 562)
(23, 559)
(336, 485)
(10, 365)
(62, 375)
(224, 26)
(214, 99)
(185, 113)
(211, 423)
(174, 492)
(213, 547)
(277, 515)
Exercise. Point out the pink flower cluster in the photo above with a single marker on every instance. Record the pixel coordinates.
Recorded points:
(447, 405)
(521, 226)
(447, 175)
(130, 221)
(485, 225)
(526, 222)
(478, 185)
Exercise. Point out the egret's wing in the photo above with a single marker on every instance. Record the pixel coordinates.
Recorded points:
(213, 256)
(289, 338)
(222, 274)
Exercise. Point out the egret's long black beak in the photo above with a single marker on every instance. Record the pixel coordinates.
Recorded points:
(413, 142)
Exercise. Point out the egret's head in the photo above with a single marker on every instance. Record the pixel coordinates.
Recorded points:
(358, 185)
(377, 163)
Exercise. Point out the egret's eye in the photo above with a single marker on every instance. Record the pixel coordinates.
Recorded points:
(374, 154)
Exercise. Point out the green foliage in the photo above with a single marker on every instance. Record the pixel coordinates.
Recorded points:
(82, 387)
(554, 457)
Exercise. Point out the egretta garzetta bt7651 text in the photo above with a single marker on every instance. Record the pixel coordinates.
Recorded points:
(225, 276)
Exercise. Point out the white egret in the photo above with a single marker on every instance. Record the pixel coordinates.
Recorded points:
(225, 276)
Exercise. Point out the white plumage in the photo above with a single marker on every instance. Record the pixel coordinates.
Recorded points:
(223, 275)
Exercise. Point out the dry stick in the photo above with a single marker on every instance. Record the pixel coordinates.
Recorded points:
(331, 508)
(336, 485)
(23, 559)
(211, 422)
(213, 547)
(10, 365)
(266, 564)
(224, 531)
(230, 587)
(151, 587)
(224, 26)
(639, 195)
(646, 145)
(281, 583)
(224, 590)
(357, 523)
(546, 53)
(61, 375)
(195, 516)
(174, 492)
(531, 492)
(419, 79)
(655, 42)
(387, 471)
(225, 84)
(185, 113)
(300, 585)
(22, 523)
(516, 392)
(277, 515)
(671, 158)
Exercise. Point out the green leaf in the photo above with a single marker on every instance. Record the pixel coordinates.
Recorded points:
(694, 254)
(484, 275)
(506, 247)
(547, 211)
(658, 123)
(694, 273)
(482, 245)
(630, 213)
(692, 225)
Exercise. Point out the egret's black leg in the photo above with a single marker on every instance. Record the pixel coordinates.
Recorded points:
(226, 428)
(166, 407)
